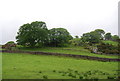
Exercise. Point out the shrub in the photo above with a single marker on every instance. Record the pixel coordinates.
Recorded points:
(9, 45)
(107, 48)
(10, 42)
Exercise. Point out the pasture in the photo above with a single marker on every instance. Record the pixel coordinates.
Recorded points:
(27, 66)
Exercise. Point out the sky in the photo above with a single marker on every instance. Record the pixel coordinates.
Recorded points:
(77, 16)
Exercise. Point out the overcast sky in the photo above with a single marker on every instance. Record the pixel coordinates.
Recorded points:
(77, 16)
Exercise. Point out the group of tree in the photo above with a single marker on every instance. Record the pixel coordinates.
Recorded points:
(93, 37)
(94, 40)
(108, 36)
(37, 34)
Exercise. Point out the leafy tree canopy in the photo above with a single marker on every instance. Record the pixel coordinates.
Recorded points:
(59, 36)
(76, 42)
(108, 36)
(115, 37)
(76, 36)
(100, 32)
(32, 34)
(93, 36)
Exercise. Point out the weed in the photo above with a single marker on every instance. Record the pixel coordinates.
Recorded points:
(70, 74)
(70, 70)
(54, 70)
(40, 71)
(45, 77)
(80, 77)
(110, 77)
(63, 74)
(76, 71)
(73, 76)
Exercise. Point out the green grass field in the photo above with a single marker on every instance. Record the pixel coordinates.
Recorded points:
(68, 50)
(27, 66)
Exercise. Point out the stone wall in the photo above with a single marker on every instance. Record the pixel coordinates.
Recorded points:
(66, 55)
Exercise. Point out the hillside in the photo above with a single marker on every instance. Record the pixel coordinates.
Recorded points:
(110, 42)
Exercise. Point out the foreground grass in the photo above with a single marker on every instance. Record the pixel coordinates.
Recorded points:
(69, 50)
(26, 66)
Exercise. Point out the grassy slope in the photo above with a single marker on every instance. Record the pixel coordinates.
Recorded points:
(26, 66)
(69, 50)
(110, 42)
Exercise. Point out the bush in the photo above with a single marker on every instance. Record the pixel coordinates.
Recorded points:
(9, 45)
(107, 48)
(10, 42)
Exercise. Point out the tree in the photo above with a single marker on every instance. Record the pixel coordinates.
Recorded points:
(76, 42)
(115, 38)
(59, 37)
(32, 34)
(101, 33)
(108, 36)
(76, 36)
(91, 38)
(118, 46)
